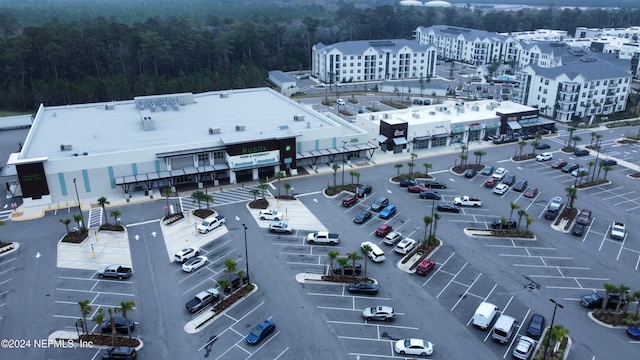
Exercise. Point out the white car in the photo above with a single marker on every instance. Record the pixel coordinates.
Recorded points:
(405, 245)
(280, 227)
(392, 238)
(414, 347)
(185, 254)
(524, 348)
(383, 313)
(579, 171)
(499, 174)
(194, 263)
(544, 156)
(500, 189)
(270, 215)
(340, 102)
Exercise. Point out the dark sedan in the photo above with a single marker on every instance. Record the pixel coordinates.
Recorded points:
(123, 325)
(363, 189)
(581, 152)
(595, 299)
(507, 225)
(434, 184)
(536, 324)
(448, 206)
(509, 179)
(260, 332)
(543, 146)
(362, 216)
(569, 168)
(551, 214)
(363, 287)
(470, 173)
(431, 195)
(608, 162)
(408, 182)
(578, 230)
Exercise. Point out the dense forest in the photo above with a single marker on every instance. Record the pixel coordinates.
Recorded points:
(87, 59)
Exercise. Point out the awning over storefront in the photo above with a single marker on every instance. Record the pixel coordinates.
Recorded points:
(440, 131)
(333, 151)
(399, 141)
(152, 176)
(475, 128)
(381, 138)
(459, 129)
(514, 125)
(422, 138)
(492, 126)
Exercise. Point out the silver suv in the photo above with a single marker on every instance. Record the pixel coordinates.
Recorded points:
(380, 203)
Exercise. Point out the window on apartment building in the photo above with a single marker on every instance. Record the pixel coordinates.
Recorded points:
(544, 91)
(626, 80)
(603, 91)
(546, 82)
(605, 82)
(544, 100)
(344, 58)
(540, 79)
(359, 64)
(393, 56)
(351, 57)
(218, 155)
(540, 88)
(203, 159)
(359, 57)
(598, 83)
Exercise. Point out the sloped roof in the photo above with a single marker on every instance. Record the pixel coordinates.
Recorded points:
(468, 34)
(360, 46)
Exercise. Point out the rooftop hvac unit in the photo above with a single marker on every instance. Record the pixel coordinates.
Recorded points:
(224, 95)
(372, 117)
(432, 112)
(475, 108)
(448, 112)
(147, 123)
(240, 127)
(416, 115)
(385, 116)
(489, 107)
(109, 106)
(214, 130)
(438, 108)
(298, 117)
(283, 127)
(65, 147)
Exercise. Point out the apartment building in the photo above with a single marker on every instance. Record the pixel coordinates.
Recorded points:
(374, 60)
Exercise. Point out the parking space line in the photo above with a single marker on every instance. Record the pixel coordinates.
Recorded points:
(560, 267)
(604, 238)
(519, 327)
(465, 292)
(282, 353)
(99, 292)
(449, 283)
(570, 277)
(439, 269)
(9, 269)
(6, 281)
(354, 296)
(386, 325)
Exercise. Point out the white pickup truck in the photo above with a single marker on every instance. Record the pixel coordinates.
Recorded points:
(467, 201)
(618, 230)
(323, 237)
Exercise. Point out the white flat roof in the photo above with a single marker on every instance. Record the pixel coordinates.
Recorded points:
(112, 127)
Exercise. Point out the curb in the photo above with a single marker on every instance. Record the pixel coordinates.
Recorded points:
(195, 326)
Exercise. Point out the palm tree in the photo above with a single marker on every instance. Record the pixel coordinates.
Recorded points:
(343, 261)
(606, 170)
(636, 298)
(514, 206)
(463, 155)
(230, 267)
(534, 144)
(428, 220)
(263, 187)
(521, 145)
(78, 218)
(335, 168)
(570, 130)
(397, 166)
(102, 201)
(112, 323)
(279, 176)
(222, 284)
(572, 195)
(167, 192)
(287, 187)
(521, 214)
(332, 256)
(357, 175)
(427, 166)
(436, 217)
(575, 140)
(622, 290)
(479, 154)
(529, 220)
(412, 164)
(208, 198)
(255, 193)
(581, 174)
(116, 214)
(66, 223)
(352, 173)
(608, 289)
(85, 310)
(593, 136)
(98, 318)
(366, 249)
(197, 196)
(591, 164)
(124, 308)
(354, 256)
(241, 275)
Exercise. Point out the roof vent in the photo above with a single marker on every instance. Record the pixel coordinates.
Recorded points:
(432, 112)
(214, 130)
(147, 123)
(416, 115)
(372, 117)
(65, 147)
(224, 95)
(240, 127)
(475, 108)
(308, 124)
(109, 106)
(298, 117)
(283, 127)
(385, 116)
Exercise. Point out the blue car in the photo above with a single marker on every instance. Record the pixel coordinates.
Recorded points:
(408, 182)
(634, 332)
(260, 332)
(388, 212)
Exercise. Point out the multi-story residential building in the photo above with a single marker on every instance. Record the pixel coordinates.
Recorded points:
(585, 85)
(375, 60)
(472, 46)
(591, 33)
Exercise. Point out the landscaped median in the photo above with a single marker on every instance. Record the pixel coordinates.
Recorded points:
(202, 320)
(499, 234)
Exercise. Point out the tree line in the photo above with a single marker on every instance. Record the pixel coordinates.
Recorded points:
(104, 59)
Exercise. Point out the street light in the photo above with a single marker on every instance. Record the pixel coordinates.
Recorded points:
(344, 149)
(246, 251)
(555, 306)
(77, 196)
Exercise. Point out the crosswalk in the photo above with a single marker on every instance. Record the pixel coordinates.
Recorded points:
(95, 217)
(5, 215)
(224, 197)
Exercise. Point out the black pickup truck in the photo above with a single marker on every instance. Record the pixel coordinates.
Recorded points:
(202, 299)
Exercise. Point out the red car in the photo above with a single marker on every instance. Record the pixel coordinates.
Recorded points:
(383, 230)
(531, 192)
(558, 164)
(425, 266)
(417, 188)
(491, 182)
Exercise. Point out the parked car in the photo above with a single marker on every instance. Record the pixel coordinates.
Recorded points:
(434, 184)
(579, 172)
(578, 229)
(380, 313)
(430, 194)
(470, 173)
(551, 214)
(425, 267)
(544, 156)
(413, 347)
(608, 162)
(501, 189)
(260, 332)
(383, 230)
(270, 215)
(416, 188)
(569, 168)
(581, 152)
(634, 332)
(119, 353)
(556, 203)
(363, 189)
(349, 200)
(404, 246)
(499, 174)
(584, 217)
(194, 263)
(362, 216)
(363, 287)
(280, 227)
(509, 179)
(508, 225)
(595, 299)
(210, 223)
(124, 326)
(392, 238)
(185, 254)
(531, 192)
(490, 182)
(408, 182)
(448, 206)
(388, 212)
(536, 324)
(524, 348)
(559, 164)
(520, 185)
(488, 170)
(379, 203)
(340, 102)
(543, 146)
(348, 269)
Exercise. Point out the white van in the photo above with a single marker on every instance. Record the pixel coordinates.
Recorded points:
(211, 223)
(484, 315)
(503, 329)
(376, 254)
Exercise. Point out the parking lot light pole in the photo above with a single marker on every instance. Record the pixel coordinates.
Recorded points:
(246, 251)
(77, 196)
(344, 149)
(555, 306)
